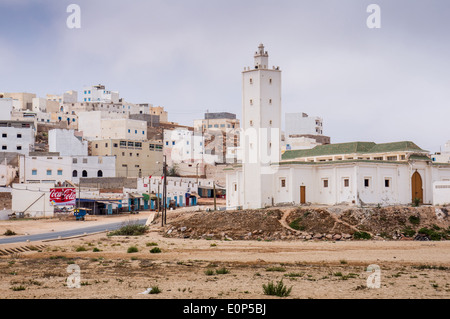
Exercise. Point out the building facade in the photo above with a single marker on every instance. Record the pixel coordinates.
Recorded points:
(133, 158)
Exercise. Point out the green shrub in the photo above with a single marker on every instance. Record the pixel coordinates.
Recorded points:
(155, 290)
(129, 230)
(280, 269)
(155, 250)
(416, 202)
(432, 234)
(209, 272)
(415, 220)
(151, 244)
(279, 289)
(295, 224)
(9, 232)
(294, 274)
(361, 235)
(80, 248)
(132, 249)
(222, 271)
(18, 288)
(96, 250)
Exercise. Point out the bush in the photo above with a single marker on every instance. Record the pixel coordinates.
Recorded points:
(80, 248)
(279, 289)
(96, 250)
(222, 271)
(18, 288)
(432, 234)
(361, 235)
(9, 232)
(209, 272)
(132, 249)
(155, 250)
(409, 232)
(155, 290)
(280, 269)
(295, 224)
(415, 220)
(129, 230)
(151, 244)
(416, 202)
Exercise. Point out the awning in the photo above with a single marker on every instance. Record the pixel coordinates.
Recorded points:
(135, 195)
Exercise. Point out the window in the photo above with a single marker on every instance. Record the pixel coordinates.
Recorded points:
(4, 147)
(59, 172)
(366, 182)
(270, 101)
(4, 135)
(123, 144)
(391, 158)
(129, 131)
(387, 182)
(251, 81)
(131, 154)
(138, 144)
(19, 135)
(34, 172)
(143, 133)
(173, 142)
(85, 160)
(167, 143)
(96, 145)
(84, 174)
(152, 146)
(283, 182)
(130, 144)
(235, 187)
(270, 81)
(19, 147)
(378, 158)
(216, 125)
(115, 145)
(325, 183)
(99, 173)
(135, 131)
(75, 173)
(251, 102)
(270, 122)
(251, 123)
(49, 172)
(346, 182)
(106, 144)
(74, 160)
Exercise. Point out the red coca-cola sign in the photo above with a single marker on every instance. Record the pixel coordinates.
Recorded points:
(63, 196)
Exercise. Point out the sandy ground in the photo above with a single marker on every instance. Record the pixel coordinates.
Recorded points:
(313, 269)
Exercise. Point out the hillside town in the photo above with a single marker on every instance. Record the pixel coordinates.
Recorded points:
(102, 153)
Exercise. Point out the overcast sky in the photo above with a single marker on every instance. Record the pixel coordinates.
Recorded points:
(382, 85)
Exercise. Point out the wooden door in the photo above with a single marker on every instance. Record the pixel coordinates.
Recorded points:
(416, 185)
(302, 194)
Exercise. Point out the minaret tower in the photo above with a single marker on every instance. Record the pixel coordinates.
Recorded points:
(261, 139)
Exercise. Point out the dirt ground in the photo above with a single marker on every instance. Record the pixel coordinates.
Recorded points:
(314, 269)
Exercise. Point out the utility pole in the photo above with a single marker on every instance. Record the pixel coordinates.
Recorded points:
(197, 173)
(214, 187)
(165, 190)
(158, 199)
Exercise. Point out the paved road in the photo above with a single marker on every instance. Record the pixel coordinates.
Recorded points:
(66, 233)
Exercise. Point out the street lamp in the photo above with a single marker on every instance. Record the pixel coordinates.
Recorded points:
(164, 210)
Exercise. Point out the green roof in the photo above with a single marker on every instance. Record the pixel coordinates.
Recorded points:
(352, 148)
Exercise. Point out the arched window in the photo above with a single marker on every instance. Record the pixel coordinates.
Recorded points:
(75, 173)
(100, 174)
(84, 174)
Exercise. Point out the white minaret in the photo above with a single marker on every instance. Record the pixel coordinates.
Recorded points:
(261, 110)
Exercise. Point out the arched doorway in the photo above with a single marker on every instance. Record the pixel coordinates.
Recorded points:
(416, 186)
(99, 173)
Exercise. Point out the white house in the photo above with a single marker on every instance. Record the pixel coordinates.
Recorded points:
(66, 143)
(357, 173)
(302, 124)
(32, 199)
(6, 107)
(17, 136)
(98, 93)
(53, 168)
(99, 125)
(443, 156)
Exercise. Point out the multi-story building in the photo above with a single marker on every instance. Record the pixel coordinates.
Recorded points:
(443, 156)
(133, 158)
(98, 93)
(53, 168)
(217, 121)
(67, 97)
(6, 108)
(66, 143)
(98, 125)
(23, 101)
(17, 136)
(302, 124)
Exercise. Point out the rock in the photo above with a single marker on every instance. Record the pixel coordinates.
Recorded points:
(317, 236)
(337, 237)
(249, 235)
(308, 237)
(329, 236)
(346, 236)
(169, 231)
(182, 229)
